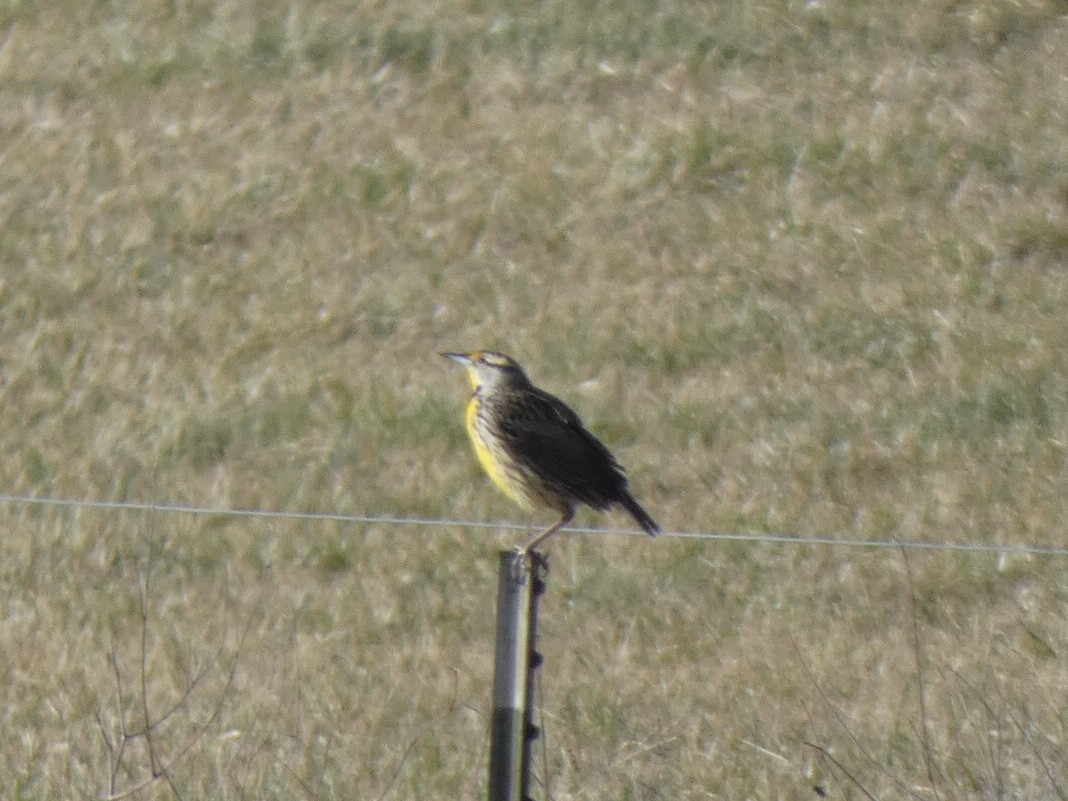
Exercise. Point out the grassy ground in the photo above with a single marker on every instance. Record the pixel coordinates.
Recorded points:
(801, 264)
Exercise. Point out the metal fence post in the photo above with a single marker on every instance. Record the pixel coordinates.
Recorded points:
(510, 678)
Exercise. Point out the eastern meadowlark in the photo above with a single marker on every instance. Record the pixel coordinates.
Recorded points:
(535, 448)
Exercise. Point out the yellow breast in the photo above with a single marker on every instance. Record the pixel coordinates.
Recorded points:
(492, 460)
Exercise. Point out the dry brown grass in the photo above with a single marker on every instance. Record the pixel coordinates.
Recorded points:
(801, 264)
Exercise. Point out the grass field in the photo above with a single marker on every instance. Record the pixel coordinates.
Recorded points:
(803, 265)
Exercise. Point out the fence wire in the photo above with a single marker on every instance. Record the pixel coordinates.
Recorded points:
(385, 519)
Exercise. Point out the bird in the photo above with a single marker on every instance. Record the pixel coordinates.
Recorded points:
(535, 448)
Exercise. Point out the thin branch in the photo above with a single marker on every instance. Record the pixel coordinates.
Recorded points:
(839, 718)
(994, 745)
(827, 755)
(1029, 739)
(142, 593)
(165, 769)
(296, 777)
(426, 730)
(161, 769)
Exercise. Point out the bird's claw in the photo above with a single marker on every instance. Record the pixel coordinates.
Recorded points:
(526, 559)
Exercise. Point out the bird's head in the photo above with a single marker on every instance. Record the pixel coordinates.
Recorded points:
(488, 369)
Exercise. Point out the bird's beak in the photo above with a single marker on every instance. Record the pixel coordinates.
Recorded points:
(462, 358)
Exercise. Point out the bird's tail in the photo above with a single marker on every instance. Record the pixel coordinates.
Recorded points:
(641, 517)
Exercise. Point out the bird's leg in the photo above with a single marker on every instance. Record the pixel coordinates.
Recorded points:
(536, 540)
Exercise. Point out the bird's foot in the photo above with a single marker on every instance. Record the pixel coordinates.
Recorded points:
(526, 557)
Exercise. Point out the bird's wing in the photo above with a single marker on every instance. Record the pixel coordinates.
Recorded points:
(561, 452)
